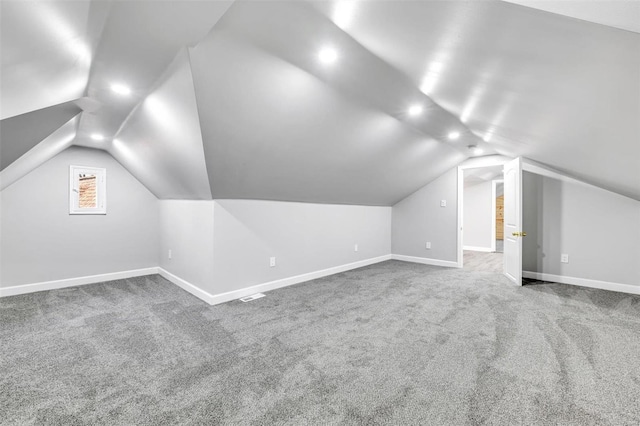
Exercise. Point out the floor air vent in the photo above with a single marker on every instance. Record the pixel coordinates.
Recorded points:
(252, 297)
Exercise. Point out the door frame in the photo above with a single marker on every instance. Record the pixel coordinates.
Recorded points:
(513, 227)
(473, 163)
(494, 192)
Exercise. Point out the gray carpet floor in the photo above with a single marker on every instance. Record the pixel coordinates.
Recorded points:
(392, 343)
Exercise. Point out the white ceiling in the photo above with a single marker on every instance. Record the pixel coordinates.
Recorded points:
(482, 174)
(558, 90)
(276, 125)
(51, 146)
(19, 128)
(139, 41)
(622, 14)
(46, 54)
(165, 131)
(257, 116)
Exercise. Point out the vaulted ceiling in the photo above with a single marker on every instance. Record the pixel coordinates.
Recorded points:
(230, 100)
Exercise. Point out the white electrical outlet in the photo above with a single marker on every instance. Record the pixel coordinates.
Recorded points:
(272, 262)
(564, 258)
(428, 245)
(355, 248)
(443, 203)
(169, 255)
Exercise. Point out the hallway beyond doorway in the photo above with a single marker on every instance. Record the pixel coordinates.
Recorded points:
(483, 261)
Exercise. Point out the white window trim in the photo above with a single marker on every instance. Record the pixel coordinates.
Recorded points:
(101, 190)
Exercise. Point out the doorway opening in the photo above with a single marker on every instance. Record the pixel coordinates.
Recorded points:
(481, 197)
(513, 190)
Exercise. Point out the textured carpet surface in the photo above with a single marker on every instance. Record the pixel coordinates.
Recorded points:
(392, 343)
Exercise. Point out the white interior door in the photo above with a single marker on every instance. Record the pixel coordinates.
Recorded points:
(513, 220)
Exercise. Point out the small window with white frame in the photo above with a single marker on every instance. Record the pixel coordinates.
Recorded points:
(87, 190)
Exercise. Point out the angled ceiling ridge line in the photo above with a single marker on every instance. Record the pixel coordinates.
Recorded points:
(156, 85)
(291, 201)
(17, 175)
(208, 33)
(543, 169)
(25, 131)
(198, 116)
(164, 75)
(126, 168)
(433, 179)
(97, 43)
(484, 161)
(562, 15)
(432, 104)
(68, 101)
(361, 101)
(76, 126)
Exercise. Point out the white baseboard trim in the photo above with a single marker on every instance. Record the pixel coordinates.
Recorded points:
(72, 282)
(583, 282)
(187, 286)
(215, 299)
(285, 282)
(473, 248)
(425, 261)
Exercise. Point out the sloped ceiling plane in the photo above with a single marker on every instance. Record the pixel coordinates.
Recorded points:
(349, 101)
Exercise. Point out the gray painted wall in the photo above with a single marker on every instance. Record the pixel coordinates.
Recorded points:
(42, 242)
(419, 218)
(599, 230)
(186, 228)
(303, 237)
(478, 209)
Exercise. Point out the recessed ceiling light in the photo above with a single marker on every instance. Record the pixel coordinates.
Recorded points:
(415, 110)
(120, 89)
(475, 149)
(97, 137)
(453, 135)
(328, 55)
